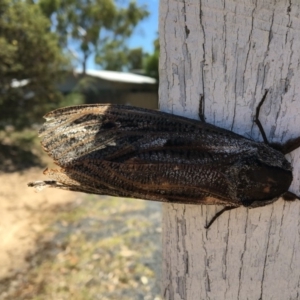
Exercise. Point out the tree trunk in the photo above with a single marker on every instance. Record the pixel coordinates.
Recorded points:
(230, 52)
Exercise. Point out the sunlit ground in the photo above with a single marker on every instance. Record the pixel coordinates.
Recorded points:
(64, 245)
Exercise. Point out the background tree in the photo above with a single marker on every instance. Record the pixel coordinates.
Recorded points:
(117, 56)
(135, 59)
(31, 61)
(114, 56)
(98, 27)
(151, 61)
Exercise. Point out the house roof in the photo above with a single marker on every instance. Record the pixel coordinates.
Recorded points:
(19, 83)
(119, 76)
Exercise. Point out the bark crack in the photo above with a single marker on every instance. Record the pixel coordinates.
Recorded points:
(186, 54)
(298, 285)
(270, 35)
(249, 41)
(225, 36)
(163, 36)
(292, 257)
(242, 255)
(277, 116)
(225, 255)
(235, 84)
(289, 22)
(203, 45)
(262, 65)
(281, 224)
(181, 235)
(226, 248)
(266, 257)
(206, 275)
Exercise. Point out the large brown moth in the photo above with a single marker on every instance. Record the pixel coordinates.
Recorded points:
(127, 151)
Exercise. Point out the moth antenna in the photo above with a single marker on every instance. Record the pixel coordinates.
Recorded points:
(256, 120)
(285, 148)
(218, 214)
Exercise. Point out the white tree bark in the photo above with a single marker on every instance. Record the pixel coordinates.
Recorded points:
(231, 51)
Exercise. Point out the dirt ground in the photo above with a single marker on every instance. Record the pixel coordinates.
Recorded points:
(22, 217)
(64, 245)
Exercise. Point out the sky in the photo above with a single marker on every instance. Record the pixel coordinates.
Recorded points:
(145, 32)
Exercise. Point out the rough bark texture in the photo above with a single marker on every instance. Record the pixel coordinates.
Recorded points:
(231, 51)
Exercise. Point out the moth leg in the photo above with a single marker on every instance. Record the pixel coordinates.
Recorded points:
(289, 196)
(201, 109)
(42, 183)
(256, 120)
(218, 214)
(288, 146)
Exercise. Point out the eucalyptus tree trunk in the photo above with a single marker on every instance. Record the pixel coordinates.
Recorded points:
(230, 52)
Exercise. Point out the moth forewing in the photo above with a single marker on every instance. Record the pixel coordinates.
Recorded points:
(133, 152)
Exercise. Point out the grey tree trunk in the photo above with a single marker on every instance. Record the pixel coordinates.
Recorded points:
(230, 52)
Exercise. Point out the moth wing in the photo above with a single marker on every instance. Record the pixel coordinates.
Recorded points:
(120, 133)
(133, 152)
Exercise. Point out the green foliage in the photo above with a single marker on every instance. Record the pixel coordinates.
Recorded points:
(135, 59)
(113, 53)
(31, 61)
(74, 98)
(113, 56)
(97, 26)
(151, 62)
(19, 150)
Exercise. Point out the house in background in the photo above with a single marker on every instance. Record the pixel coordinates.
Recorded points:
(101, 86)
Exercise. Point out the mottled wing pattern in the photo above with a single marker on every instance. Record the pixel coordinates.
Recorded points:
(133, 152)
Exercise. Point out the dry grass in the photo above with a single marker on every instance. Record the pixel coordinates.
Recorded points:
(85, 247)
